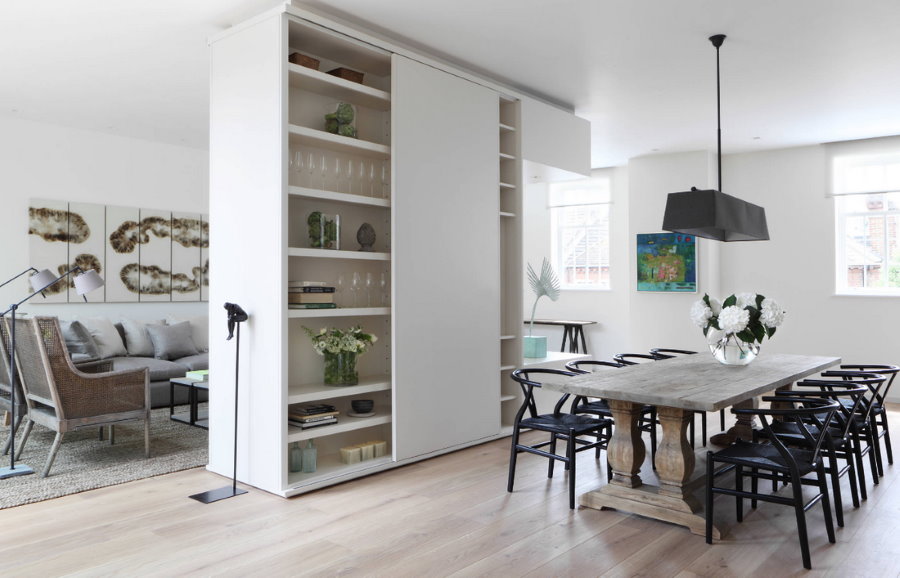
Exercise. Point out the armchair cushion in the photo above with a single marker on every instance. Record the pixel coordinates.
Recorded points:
(172, 341)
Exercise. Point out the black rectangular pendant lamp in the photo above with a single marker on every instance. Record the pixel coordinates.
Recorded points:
(712, 214)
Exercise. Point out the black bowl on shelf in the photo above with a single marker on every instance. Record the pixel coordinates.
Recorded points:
(362, 405)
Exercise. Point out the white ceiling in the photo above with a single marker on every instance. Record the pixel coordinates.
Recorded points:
(642, 71)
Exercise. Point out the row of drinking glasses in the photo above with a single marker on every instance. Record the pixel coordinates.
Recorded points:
(341, 174)
(357, 289)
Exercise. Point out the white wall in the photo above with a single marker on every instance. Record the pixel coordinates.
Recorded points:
(53, 162)
(796, 267)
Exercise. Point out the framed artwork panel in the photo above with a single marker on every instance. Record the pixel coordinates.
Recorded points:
(667, 262)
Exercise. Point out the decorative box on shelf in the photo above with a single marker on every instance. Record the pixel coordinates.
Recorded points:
(304, 60)
(347, 74)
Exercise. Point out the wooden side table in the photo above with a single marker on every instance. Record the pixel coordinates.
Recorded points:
(572, 331)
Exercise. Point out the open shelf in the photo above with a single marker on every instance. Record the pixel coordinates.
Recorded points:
(333, 254)
(303, 78)
(330, 466)
(507, 186)
(507, 398)
(346, 198)
(339, 312)
(507, 215)
(507, 367)
(507, 157)
(507, 127)
(344, 424)
(305, 136)
(504, 337)
(315, 391)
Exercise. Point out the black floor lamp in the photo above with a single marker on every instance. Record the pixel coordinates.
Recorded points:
(85, 282)
(236, 316)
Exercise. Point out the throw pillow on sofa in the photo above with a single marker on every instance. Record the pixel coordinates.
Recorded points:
(137, 338)
(199, 329)
(79, 342)
(172, 341)
(104, 333)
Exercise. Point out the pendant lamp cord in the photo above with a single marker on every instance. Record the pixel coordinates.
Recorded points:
(717, 41)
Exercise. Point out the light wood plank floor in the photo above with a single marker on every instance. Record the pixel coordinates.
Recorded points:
(446, 516)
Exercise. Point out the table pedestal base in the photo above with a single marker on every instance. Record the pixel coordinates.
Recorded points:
(647, 501)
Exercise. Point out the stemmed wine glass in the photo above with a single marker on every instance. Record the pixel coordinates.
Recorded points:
(361, 176)
(370, 287)
(349, 175)
(355, 286)
(337, 174)
(323, 168)
(385, 186)
(372, 178)
(310, 169)
(298, 166)
(341, 288)
(385, 298)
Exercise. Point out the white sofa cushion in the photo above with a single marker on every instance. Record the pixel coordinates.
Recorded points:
(199, 329)
(172, 341)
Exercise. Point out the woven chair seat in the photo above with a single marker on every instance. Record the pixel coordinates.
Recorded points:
(564, 422)
(765, 456)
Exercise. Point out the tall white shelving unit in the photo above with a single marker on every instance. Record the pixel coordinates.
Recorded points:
(445, 200)
(511, 268)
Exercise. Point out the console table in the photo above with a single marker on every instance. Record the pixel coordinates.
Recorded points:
(572, 331)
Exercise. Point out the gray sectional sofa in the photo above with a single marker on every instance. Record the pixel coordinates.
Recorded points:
(168, 347)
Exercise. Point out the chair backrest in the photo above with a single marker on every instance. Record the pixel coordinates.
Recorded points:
(812, 421)
(33, 367)
(663, 353)
(841, 391)
(524, 378)
(590, 366)
(852, 371)
(634, 358)
(5, 389)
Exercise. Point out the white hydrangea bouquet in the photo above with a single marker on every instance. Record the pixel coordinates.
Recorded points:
(736, 327)
(334, 340)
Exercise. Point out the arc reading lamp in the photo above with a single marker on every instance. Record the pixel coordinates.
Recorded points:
(85, 282)
(712, 214)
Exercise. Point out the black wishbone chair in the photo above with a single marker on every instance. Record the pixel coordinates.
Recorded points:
(635, 358)
(863, 429)
(878, 415)
(600, 407)
(778, 462)
(572, 428)
(838, 441)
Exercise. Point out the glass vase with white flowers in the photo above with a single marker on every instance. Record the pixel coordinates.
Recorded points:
(340, 347)
(735, 328)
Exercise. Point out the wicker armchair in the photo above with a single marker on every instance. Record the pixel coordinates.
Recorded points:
(63, 398)
(6, 390)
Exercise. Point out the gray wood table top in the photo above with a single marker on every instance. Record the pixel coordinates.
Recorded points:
(695, 382)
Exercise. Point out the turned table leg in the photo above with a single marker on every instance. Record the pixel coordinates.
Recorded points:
(674, 456)
(626, 448)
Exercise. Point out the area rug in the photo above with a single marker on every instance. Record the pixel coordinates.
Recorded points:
(83, 462)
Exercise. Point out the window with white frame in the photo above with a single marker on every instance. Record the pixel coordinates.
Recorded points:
(867, 212)
(579, 228)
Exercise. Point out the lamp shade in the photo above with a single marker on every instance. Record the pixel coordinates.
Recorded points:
(87, 282)
(42, 279)
(714, 215)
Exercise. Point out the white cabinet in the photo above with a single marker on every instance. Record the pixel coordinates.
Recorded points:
(446, 259)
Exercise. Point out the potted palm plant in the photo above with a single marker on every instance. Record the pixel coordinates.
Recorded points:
(545, 284)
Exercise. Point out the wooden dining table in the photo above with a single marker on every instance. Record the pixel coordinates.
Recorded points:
(678, 387)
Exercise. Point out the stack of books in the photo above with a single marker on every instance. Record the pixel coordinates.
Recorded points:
(310, 295)
(198, 375)
(310, 415)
